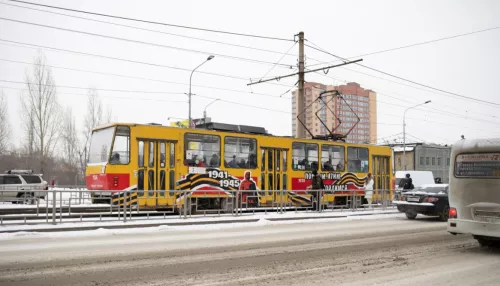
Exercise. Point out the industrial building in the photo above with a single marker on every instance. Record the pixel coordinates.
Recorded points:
(424, 157)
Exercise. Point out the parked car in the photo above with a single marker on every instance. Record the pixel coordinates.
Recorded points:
(22, 186)
(428, 199)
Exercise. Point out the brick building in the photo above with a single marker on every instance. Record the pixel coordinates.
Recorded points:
(362, 101)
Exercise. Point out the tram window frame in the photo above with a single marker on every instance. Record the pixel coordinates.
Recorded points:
(310, 167)
(341, 161)
(201, 138)
(351, 159)
(121, 132)
(239, 154)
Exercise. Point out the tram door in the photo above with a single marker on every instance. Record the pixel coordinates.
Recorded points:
(381, 173)
(156, 173)
(273, 173)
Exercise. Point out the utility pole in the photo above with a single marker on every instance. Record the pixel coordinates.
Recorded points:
(300, 95)
(301, 73)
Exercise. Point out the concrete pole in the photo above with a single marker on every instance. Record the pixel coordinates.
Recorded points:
(300, 94)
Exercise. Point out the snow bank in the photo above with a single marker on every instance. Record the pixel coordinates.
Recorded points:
(263, 221)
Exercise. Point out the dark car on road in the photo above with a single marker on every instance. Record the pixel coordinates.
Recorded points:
(430, 200)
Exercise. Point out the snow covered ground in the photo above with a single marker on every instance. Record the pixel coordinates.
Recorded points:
(210, 222)
(360, 250)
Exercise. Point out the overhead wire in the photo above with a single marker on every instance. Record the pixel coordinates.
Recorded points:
(124, 60)
(427, 108)
(153, 22)
(422, 109)
(399, 136)
(416, 44)
(110, 96)
(411, 81)
(232, 102)
(223, 100)
(147, 43)
(35, 4)
(157, 92)
(400, 83)
(153, 99)
(121, 75)
(437, 110)
(151, 30)
(408, 101)
(441, 123)
(270, 69)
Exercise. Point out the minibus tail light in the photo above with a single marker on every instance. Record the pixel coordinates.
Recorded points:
(452, 213)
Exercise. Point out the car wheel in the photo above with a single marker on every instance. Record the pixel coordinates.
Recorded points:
(27, 199)
(411, 214)
(444, 214)
(484, 242)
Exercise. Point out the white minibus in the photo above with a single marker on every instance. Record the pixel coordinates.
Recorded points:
(474, 190)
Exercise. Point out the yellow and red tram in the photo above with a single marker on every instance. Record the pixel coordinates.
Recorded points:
(159, 166)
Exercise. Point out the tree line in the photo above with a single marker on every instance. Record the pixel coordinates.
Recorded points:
(51, 142)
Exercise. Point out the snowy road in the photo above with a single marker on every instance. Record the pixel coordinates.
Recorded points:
(388, 251)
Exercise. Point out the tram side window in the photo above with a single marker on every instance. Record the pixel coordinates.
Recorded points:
(332, 158)
(172, 155)
(141, 154)
(240, 153)
(305, 156)
(120, 154)
(202, 150)
(357, 159)
(284, 161)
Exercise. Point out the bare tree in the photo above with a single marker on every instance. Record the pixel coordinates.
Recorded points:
(93, 119)
(4, 125)
(109, 116)
(28, 124)
(94, 116)
(70, 139)
(42, 111)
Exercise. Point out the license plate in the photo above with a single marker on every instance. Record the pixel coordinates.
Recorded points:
(487, 219)
(413, 199)
(487, 216)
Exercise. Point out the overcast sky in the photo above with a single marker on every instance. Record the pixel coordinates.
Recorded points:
(467, 65)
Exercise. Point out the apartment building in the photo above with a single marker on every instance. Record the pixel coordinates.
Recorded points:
(355, 102)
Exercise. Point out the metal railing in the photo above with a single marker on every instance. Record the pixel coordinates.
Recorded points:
(76, 204)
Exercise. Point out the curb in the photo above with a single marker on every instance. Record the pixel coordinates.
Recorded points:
(125, 226)
(392, 212)
(301, 218)
(128, 226)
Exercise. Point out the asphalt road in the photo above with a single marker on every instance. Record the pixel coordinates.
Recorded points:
(392, 251)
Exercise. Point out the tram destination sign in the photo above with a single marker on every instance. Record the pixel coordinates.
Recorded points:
(482, 165)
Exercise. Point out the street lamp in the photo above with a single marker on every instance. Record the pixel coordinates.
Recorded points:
(404, 131)
(209, 58)
(205, 110)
